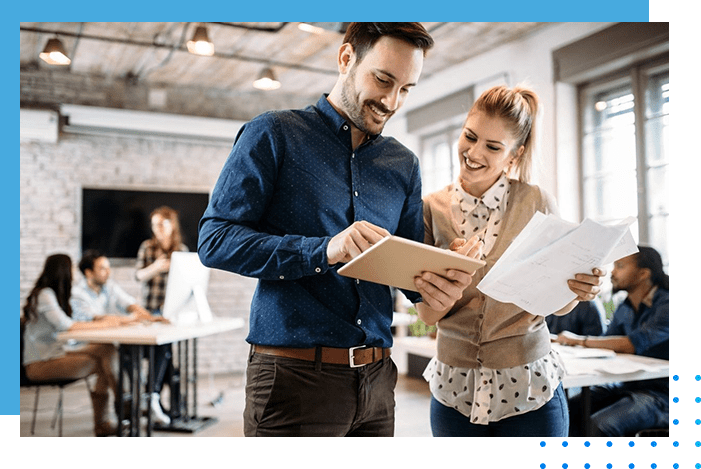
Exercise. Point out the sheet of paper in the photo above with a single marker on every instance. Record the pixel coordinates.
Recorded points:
(584, 352)
(533, 272)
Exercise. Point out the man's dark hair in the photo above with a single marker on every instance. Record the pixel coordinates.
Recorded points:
(649, 258)
(363, 36)
(88, 260)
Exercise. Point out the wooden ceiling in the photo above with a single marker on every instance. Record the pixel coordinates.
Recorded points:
(128, 64)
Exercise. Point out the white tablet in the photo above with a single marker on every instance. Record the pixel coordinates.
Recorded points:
(395, 261)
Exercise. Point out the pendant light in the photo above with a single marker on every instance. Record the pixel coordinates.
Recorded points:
(200, 43)
(267, 81)
(54, 53)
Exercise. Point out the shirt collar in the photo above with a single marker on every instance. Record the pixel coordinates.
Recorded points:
(84, 285)
(491, 198)
(334, 120)
(647, 301)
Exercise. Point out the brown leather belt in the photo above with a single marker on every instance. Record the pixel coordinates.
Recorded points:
(353, 357)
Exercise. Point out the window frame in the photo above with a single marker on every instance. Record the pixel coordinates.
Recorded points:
(636, 76)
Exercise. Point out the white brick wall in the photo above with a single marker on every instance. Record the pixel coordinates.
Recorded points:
(51, 178)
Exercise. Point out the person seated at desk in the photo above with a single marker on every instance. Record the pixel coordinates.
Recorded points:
(47, 312)
(640, 325)
(587, 318)
(96, 295)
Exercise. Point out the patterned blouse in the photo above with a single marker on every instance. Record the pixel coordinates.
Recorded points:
(483, 394)
(154, 290)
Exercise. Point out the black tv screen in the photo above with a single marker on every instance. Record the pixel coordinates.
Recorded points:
(116, 222)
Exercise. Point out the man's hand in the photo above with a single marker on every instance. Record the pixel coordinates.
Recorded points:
(440, 293)
(139, 312)
(354, 240)
(587, 286)
(569, 338)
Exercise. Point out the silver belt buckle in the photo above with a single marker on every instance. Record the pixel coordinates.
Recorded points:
(351, 356)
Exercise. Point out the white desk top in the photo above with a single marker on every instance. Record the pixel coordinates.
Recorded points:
(580, 371)
(153, 333)
(584, 369)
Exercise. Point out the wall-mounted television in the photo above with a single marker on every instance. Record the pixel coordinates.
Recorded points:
(116, 221)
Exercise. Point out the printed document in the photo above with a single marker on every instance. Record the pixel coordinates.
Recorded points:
(534, 270)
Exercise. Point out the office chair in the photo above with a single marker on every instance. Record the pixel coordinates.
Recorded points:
(24, 381)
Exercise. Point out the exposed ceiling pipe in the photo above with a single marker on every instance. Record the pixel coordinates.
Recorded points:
(264, 29)
(220, 55)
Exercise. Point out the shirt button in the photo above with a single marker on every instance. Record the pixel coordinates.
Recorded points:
(357, 281)
(282, 277)
(356, 193)
(353, 155)
(345, 127)
(358, 321)
(317, 270)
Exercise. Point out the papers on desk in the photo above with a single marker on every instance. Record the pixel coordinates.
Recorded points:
(589, 366)
(585, 352)
(534, 270)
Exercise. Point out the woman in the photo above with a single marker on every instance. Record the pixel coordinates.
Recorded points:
(153, 264)
(494, 373)
(48, 311)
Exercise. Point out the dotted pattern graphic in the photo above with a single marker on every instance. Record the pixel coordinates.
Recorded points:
(681, 450)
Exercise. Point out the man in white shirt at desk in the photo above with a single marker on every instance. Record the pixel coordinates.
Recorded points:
(639, 326)
(96, 295)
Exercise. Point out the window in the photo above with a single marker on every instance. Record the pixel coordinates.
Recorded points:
(624, 159)
(439, 160)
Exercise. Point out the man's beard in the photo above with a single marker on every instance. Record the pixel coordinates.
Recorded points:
(355, 111)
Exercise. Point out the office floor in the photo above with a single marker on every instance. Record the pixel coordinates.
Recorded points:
(412, 397)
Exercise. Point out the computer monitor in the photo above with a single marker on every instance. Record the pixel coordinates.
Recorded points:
(186, 290)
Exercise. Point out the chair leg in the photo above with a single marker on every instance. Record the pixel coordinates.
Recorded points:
(36, 405)
(58, 413)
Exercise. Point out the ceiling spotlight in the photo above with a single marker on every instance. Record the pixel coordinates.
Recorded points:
(54, 53)
(267, 81)
(200, 43)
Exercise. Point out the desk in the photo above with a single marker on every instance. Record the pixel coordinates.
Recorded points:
(583, 369)
(134, 338)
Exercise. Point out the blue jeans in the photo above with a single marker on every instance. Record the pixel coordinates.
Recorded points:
(623, 409)
(550, 420)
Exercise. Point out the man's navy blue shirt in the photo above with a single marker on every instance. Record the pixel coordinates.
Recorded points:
(648, 330)
(291, 182)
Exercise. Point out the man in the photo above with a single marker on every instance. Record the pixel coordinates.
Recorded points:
(587, 318)
(97, 295)
(302, 192)
(640, 325)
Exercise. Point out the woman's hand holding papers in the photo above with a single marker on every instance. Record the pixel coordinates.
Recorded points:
(587, 286)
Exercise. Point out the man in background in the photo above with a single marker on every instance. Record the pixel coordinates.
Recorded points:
(97, 295)
(587, 318)
(640, 325)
